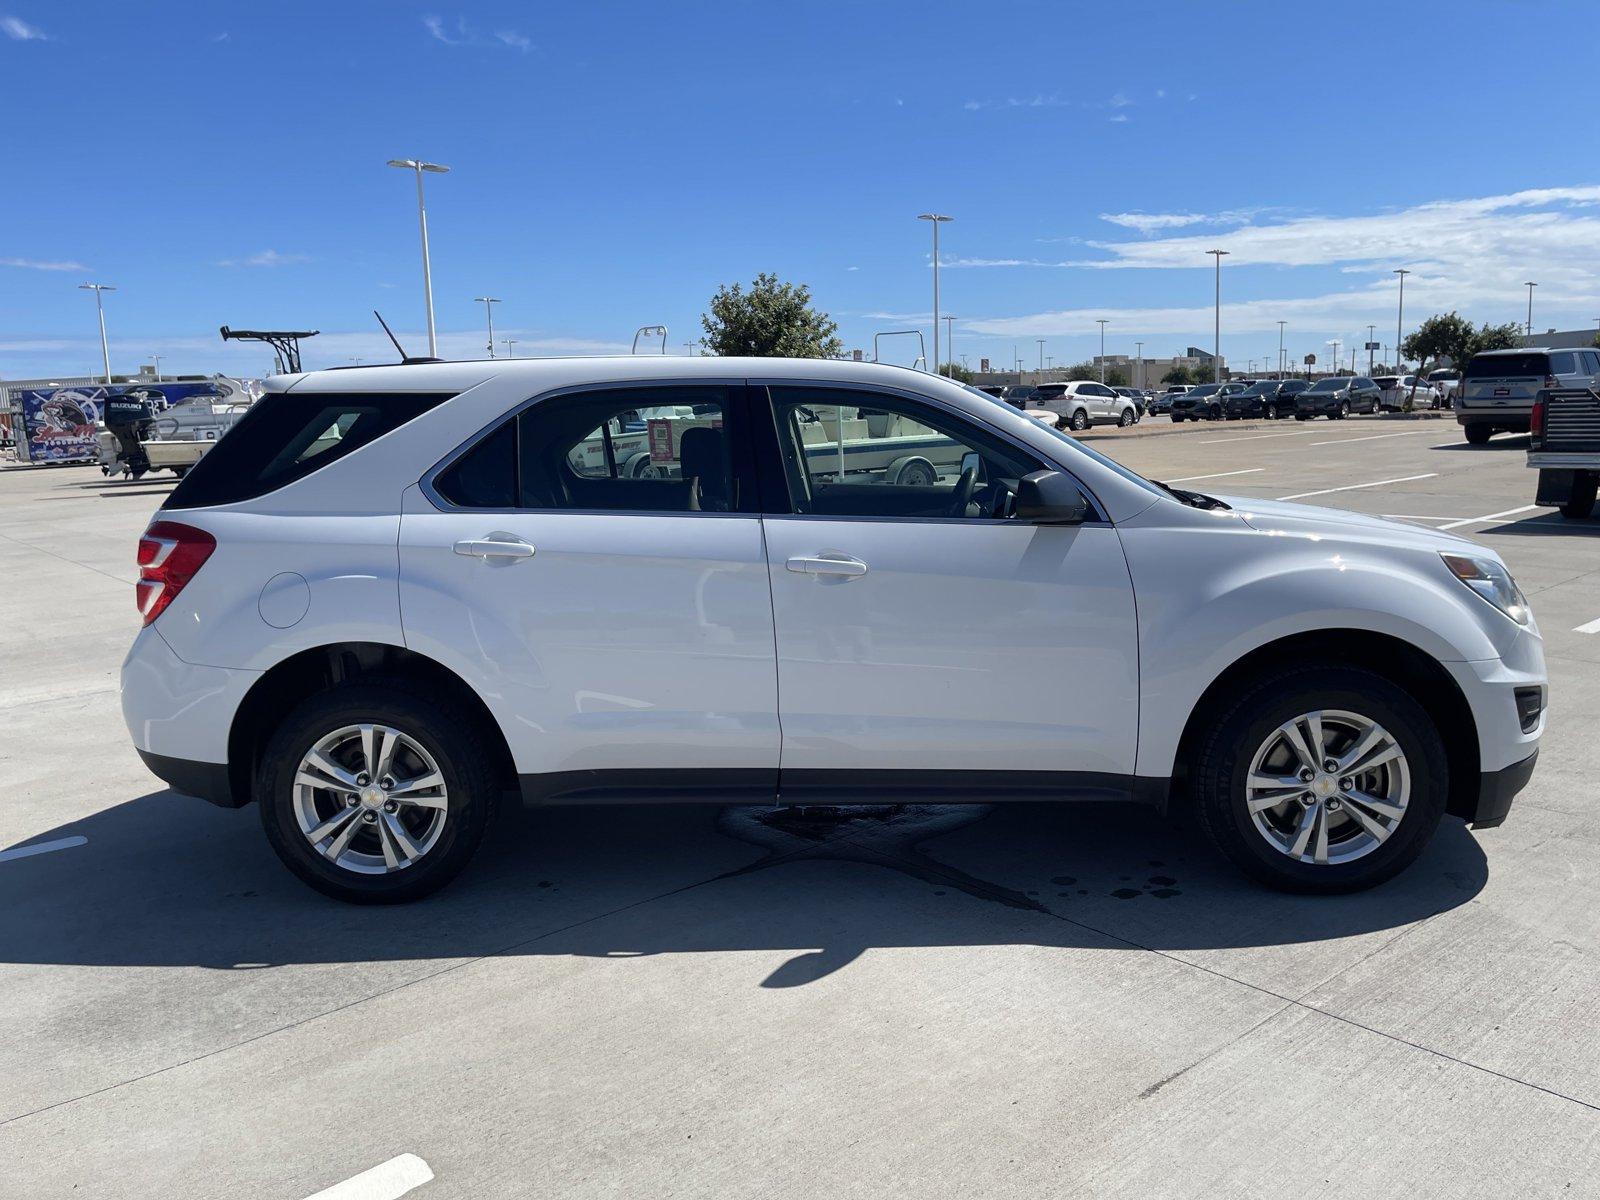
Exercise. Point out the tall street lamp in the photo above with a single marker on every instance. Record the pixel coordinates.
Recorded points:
(1371, 345)
(1400, 322)
(1040, 341)
(105, 351)
(1101, 321)
(488, 303)
(1530, 286)
(508, 343)
(1216, 361)
(1138, 348)
(938, 219)
(156, 358)
(417, 165)
(950, 339)
(1281, 324)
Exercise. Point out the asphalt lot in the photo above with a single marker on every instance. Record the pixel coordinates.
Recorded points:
(691, 1001)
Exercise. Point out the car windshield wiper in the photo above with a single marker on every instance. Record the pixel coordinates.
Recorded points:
(1192, 499)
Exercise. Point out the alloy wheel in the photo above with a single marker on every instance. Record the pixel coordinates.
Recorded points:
(1328, 787)
(370, 799)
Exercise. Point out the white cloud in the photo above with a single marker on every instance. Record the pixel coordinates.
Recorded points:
(1038, 100)
(266, 258)
(1118, 119)
(852, 268)
(463, 34)
(517, 41)
(1470, 255)
(1161, 93)
(1148, 222)
(19, 30)
(35, 264)
(1119, 101)
(435, 26)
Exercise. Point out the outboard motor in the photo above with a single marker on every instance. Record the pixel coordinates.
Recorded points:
(128, 421)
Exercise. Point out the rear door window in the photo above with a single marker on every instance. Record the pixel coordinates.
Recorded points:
(1563, 364)
(288, 435)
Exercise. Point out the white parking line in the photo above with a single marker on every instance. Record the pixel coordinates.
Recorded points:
(1252, 437)
(1510, 512)
(1589, 627)
(1374, 437)
(1218, 475)
(1413, 517)
(66, 843)
(1356, 487)
(385, 1181)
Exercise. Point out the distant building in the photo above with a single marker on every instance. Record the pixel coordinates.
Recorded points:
(1563, 339)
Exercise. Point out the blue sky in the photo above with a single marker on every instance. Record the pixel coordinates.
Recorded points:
(612, 163)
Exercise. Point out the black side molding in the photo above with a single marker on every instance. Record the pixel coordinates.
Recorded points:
(205, 780)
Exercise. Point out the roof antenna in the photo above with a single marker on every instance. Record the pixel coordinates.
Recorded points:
(404, 357)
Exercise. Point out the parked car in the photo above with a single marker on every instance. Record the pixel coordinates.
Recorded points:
(1499, 386)
(392, 595)
(1081, 404)
(1270, 398)
(1564, 447)
(1336, 397)
(1394, 391)
(1134, 397)
(1447, 382)
(1020, 395)
(996, 390)
(1203, 402)
(1161, 402)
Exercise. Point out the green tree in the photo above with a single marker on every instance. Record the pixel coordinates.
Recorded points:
(1495, 337)
(1179, 375)
(771, 320)
(1083, 370)
(1444, 335)
(954, 370)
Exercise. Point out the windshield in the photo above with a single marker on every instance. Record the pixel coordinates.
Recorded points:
(1110, 464)
(1205, 389)
(1258, 389)
(1330, 385)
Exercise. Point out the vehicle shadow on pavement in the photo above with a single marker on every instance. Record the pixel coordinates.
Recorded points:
(169, 881)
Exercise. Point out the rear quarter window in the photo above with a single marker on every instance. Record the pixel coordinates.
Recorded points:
(288, 435)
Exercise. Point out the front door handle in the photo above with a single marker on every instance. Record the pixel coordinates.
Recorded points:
(828, 564)
(496, 545)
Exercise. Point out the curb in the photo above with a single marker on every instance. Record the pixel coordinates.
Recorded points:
(1163, 427)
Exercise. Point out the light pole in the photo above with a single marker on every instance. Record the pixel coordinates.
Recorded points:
(1337, 346)
(937, 219)
(509, 342)
(688, 349)
(1216, 361)
(1101, 321)
(488, 303)
(1139, 370)
(1370, 344)
(417, 165)
(99, 308)
(950, 339)
(1530, 287)
(1281, 324)
(1040, 341)
(1400, 321)
(156, 358)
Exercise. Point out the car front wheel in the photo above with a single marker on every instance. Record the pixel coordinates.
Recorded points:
(1126, 419)
(1322, 779)
(374, 794)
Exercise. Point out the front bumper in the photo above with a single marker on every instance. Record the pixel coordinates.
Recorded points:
(1496, 790)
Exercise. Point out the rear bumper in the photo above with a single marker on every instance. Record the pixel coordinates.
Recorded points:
(1510, 420)
(1496, 790)
(176, 711)
(205, 780)
(1557, 460)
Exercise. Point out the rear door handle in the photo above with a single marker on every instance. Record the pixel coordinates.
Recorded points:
(495, 546)
(828, 564)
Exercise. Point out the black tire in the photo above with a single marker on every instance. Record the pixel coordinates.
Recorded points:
(1176, 419)
(1344, 409)
(1126, 419)
(460, 750)
(1272, 412)
(1580, 501)
(1302, 417)
(1248, 719)
(1479, 435)
(1080, 420)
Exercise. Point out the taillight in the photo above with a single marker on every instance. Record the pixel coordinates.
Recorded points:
(1536, 424)
(169, 555)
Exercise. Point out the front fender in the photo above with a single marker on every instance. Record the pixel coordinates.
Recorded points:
(1212, 591)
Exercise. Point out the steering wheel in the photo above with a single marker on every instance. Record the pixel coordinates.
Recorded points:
(963, 492)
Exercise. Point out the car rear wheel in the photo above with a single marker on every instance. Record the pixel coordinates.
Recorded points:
(374, 794)
(1322, 779)
(1080, 420)
(1272, 412)
(1479, 435)
(1580, 501)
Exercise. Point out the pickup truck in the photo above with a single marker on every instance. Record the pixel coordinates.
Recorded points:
(1564, 447)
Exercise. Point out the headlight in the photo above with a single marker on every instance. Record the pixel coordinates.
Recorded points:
(1493, 582)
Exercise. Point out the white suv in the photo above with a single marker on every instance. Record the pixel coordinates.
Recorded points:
(391, 595)
(1081, 404)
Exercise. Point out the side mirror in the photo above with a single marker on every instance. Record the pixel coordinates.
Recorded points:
(1050, 498)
